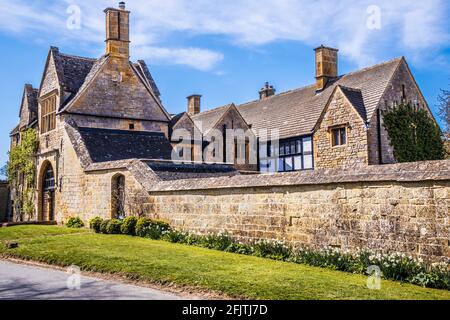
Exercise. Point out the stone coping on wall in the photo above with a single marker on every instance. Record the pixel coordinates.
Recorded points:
(405, 172)
(110, 165)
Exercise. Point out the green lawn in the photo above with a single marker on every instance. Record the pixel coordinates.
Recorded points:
(163, 262)
(30, 231)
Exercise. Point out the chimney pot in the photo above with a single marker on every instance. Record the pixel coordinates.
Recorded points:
(267, 91)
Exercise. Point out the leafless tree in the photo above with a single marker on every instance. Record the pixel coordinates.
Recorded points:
(444, 110)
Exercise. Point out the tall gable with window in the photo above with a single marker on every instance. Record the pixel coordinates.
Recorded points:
(340, 139)
(49, 97)
(402, 88)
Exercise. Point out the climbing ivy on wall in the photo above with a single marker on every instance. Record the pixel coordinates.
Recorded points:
(22, 173)
(413, 134)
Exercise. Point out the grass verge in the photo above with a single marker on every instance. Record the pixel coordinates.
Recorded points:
(33, 231)
(162, 262)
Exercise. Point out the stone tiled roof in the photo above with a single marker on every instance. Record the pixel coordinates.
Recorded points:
(142, 68)
(168, 171)
(295, 113)
(175, 118)
(112, 145)
(75, 72)
(31, 95)
(206, 121)
(95, 68)
(184, 121)
(356, 99)
(72, 70)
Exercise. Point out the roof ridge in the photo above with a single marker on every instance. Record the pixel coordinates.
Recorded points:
(177, 115)
(278, 95)
(349, 88)
(211, 110)
(372, 67)
(151, 133)
(312, 85)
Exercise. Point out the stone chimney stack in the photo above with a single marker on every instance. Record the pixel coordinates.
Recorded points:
(266, 92)
(118, 32)
(194, 104)
(326, 66)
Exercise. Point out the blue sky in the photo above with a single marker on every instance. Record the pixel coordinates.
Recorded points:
(225, 50)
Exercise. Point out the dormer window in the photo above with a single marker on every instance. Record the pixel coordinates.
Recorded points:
(48, 114)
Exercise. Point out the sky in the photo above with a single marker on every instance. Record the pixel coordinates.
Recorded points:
(225, 50)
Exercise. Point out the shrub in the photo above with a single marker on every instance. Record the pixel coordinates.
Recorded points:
(141, 225)
(175, 236)
(272, 249)
(153, 229)
(218, 242)
(104, 226)
(192, 240)
(332, 258)
(129, 226)
(425, 279)
(153, 232)
(164, 226)
(397, 266)
(114, 226)
(156, 230)
(440, 278)
(95, 223)
(240, 248)
(75, 222)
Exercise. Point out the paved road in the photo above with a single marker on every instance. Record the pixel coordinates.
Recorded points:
(28, 282)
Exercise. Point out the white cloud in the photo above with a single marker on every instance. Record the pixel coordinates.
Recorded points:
(201, 59)
(414, 28)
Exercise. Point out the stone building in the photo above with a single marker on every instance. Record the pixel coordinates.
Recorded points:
(336, 122)
(108, 147)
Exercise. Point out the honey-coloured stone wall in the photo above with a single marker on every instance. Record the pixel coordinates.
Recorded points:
(410, 218)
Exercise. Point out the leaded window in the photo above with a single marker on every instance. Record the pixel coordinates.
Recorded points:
(49, 179)
(293, 155)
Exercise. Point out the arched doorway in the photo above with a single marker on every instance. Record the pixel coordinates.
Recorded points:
(118, 197)
(48, 194)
